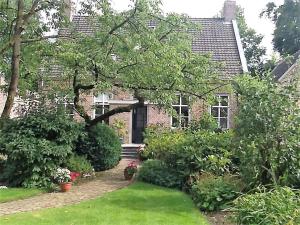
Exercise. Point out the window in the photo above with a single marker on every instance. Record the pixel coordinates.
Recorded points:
(182, 109)
(68, 107)
(220, 111)
(101, 105)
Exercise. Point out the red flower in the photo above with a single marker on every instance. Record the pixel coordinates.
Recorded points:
(74, 176)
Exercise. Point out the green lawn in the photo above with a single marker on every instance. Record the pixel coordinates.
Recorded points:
(139, 204)
(11, 194)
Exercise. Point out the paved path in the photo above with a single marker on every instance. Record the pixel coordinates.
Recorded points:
(110, 180)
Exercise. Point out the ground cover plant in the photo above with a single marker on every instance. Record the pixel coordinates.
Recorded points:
(138, 204)
(12, 194)
(279, 206)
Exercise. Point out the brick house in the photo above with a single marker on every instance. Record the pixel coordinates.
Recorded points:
(219, 37)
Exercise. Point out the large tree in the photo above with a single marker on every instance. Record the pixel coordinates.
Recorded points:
(287, 25)
(153, 63)
(23, 24)
(254, 51)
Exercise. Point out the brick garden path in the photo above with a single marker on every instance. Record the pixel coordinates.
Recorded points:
(108, 181)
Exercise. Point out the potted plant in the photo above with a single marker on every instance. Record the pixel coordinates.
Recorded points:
(130, 170)
(120, 127)
(63, 178)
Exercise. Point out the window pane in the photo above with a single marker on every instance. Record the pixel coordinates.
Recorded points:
(214, 111)
(177, 101)
(184, 121)
(185, 111)
(224, 100)
(223, 112)
(223, 123)
(184, 100)
(175, 122)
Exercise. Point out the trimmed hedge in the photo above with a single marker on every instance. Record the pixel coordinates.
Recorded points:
(101, 146)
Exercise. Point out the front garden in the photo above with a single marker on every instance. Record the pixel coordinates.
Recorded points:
(138, 204)
(251, 172)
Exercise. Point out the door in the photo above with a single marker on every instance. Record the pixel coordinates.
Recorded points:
(139, 123)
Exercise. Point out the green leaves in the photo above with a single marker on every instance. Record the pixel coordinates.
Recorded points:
(267, 132)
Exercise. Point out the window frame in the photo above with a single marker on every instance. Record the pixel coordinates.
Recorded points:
(180, 105)
(220, 106)
(104, 102)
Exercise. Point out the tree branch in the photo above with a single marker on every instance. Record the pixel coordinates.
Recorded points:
(76, 89)
(117, 110)
(39, 39)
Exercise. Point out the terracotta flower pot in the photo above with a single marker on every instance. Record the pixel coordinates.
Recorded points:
(127, 175)
(64, 187)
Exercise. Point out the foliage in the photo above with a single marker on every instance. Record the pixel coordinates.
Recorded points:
(193, 152)
(254, 51)
(212, 193)
(206, 122)
(79, 164)
(157, 172)
(136, 204)
(24, 46)
(131, 168)
(287, 22)
(280, 206)
(62, 175)
(120, 127)
(123, 52)
(36, 145)
(101, 146)
(267, 134)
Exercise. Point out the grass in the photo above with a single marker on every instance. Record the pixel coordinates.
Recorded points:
(139, 204)
(11, 194)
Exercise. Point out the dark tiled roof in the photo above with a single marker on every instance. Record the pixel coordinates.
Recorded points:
(216, 37)
(284, 65)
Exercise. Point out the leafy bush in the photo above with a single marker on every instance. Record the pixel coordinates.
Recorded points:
(211, 193)
(207, 122)
(102, 147)
(159, 139)
(280, 206)
(35, 146)
(156, 172)
(79, 164)
(268, 134)
(188, 153)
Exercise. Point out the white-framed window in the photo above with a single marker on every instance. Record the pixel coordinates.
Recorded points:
(68, 107)
(220, 111)
(101, 105)
(181, 107)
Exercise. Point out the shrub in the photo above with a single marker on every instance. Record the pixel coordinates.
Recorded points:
(156, 172)
(211, 193)
(268, 134)
(207, 122)
(35, 146)
(79, 164)
(188, 153)
(280, 206)
(160, 139)
(101, 146)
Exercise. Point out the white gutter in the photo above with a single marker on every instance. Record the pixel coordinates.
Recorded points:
(240, 46)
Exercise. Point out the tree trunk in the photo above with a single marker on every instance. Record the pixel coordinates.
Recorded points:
(15, 62)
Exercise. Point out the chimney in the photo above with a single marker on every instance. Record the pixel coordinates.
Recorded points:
(67, 9)
(229, 10)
